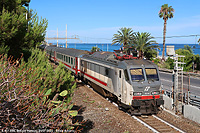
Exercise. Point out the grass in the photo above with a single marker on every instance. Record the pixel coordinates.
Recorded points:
(108, 121)
(99, 106)
(85, 100)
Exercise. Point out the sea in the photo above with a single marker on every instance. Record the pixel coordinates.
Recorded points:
(111, 48)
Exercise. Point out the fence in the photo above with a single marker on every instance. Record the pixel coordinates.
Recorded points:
(188, 98)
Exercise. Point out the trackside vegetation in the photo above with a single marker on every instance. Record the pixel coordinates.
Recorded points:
(34, 95)
(190, 59)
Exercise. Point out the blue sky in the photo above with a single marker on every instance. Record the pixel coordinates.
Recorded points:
(95, 21)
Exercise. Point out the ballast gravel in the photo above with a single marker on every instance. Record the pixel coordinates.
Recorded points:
(101, 116)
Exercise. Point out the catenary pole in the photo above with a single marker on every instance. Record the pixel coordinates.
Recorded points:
(66, 36)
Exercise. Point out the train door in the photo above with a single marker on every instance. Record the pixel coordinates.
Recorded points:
(76, 65)
(85, 67)
(120, 83)
(55, 56)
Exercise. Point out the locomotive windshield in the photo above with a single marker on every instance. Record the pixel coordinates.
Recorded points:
(137, 74)
(151, 74)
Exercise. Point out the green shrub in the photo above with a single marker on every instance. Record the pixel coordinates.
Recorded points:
(156, 61)
(170, 63)
(4, 49)
(95, 49)
(188, 59)
(25, 94)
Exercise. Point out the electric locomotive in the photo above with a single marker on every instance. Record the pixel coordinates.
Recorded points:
(133, 83)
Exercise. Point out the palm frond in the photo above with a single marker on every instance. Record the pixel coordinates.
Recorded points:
(124, 36)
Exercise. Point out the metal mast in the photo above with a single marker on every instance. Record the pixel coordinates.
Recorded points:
(178, 82)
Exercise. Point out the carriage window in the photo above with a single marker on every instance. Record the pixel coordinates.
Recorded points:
(107, 71)
(92, 67)
(88, 65)
(120, 73)
(68, 59)
(97, 68)
(72, 61)
(151, 74)
(82, 62)
(102, 70)
(137, 74)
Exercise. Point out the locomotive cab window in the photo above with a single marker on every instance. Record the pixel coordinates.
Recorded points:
(137, 74)
(151, 74)
(126, 75)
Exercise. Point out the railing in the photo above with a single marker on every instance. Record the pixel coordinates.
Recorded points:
(192, 99)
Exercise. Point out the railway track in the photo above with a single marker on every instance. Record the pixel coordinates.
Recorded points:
(157, 125)
(154, 123)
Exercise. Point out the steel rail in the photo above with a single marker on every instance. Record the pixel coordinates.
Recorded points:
(168, 124)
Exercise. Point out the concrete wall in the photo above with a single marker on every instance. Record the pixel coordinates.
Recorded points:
(189, 111)
(192, 113)
(168, 102)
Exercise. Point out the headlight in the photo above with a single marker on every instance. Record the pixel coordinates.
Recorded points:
(155, 92)
(137, 93)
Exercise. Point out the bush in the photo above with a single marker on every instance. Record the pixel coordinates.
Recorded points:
(4, 49)
(170, 63)
(95, 49)
(58, 79)
(25, 89)
(188, 59)
(156, 61)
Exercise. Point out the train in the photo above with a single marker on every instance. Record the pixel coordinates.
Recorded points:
(134, 84)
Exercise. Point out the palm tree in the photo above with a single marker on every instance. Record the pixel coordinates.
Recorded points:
(144, 44)
(124, 36)
(165, 13)
(95, 49)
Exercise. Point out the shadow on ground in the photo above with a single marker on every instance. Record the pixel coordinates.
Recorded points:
(86, 125)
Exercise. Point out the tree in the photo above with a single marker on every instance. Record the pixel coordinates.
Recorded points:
(199, 41)
(188, 59)
(12, 5)
(18, 31)
(187, 47)
(124, 36)
(95, 49)
(197, 61)
(166, 12)
(144, 44)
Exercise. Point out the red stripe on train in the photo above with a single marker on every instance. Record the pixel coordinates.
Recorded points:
(146, 97)
(66, 65)
(101, 82)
